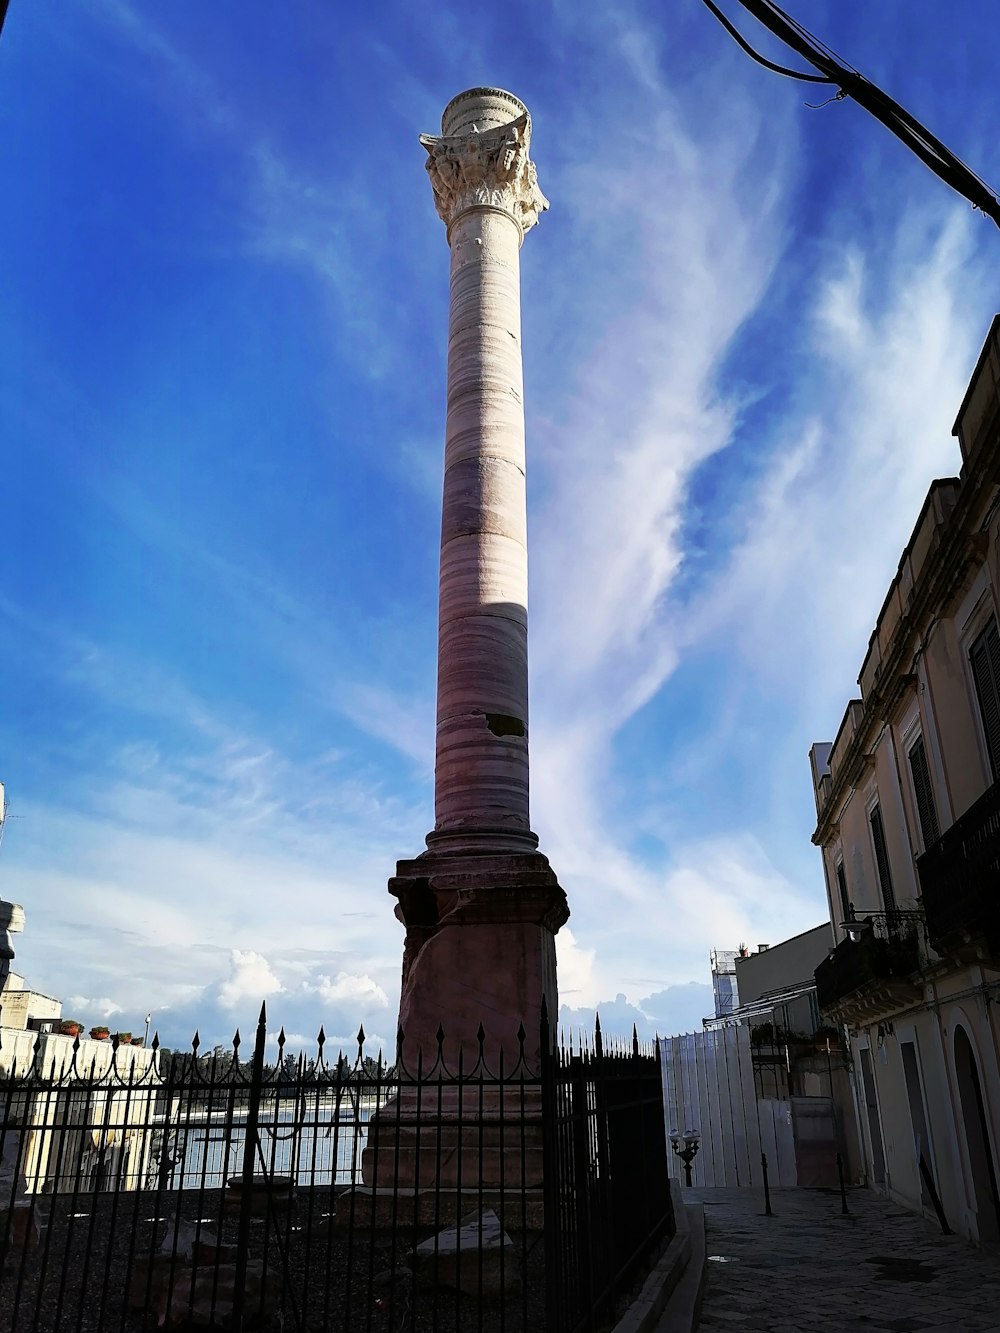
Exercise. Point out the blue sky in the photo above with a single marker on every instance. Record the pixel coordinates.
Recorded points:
(747, 329)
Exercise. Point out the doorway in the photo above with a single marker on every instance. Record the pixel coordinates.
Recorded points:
(871, 1108)
(977, 1137)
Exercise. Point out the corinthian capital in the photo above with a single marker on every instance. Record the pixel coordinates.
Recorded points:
(488, 168)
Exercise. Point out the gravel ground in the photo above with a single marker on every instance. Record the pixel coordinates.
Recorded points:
(94, 1248)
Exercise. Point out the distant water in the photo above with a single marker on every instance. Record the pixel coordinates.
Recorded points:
(315, 1147)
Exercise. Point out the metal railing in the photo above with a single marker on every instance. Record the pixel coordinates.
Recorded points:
(325, 1193)
(888, 947)
(960, 878)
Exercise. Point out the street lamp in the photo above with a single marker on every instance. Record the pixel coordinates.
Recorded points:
(855, 926)
(692, 1142)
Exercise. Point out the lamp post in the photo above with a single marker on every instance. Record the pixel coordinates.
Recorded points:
(145, 1039)
(692, 1142)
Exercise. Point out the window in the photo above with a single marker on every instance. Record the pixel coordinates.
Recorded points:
(984, 656)
(922, 790)
(845, 902)
(882, 857)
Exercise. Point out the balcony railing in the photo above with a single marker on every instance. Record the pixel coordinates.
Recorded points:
(871, 974)
(960, 883)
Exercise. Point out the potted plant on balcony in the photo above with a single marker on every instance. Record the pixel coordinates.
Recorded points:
(136, 1041)
(100, 1033)
(766, 1034)
(123, 1038)
(69, 1027)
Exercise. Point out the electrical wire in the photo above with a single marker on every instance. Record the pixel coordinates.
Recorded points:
(920, 141)
(755, 55)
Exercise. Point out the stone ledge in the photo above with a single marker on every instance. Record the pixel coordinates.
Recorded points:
(384, 1209)
(643, 1314)
(683, 1308)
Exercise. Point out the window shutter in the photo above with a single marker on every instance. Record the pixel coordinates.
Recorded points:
(845, 902)
(924, 793)
(882, 858)
(985, 658)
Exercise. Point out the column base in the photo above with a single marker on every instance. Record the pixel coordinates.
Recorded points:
(479, 954)
(444, 1137)
(478, 962)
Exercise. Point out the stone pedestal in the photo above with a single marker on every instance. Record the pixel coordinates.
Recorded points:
(479, 950)
(448, 1138)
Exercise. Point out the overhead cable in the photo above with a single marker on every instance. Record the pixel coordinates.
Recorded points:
(851, 83)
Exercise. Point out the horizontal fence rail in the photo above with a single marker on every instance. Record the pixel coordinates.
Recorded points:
(142, 1188)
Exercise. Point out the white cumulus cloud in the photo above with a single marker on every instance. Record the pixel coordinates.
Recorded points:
(250, 978)
(349, 986)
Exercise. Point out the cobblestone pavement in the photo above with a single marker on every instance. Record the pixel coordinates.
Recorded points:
(809, 1269)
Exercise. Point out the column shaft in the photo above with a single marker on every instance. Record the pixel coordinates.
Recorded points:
(481, 772)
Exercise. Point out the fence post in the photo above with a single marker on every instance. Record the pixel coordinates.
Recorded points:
(550, 1172)
(767, 1191)
(249, 1155)
(840, 1177)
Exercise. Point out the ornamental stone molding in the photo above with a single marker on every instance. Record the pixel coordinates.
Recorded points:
(480, 160)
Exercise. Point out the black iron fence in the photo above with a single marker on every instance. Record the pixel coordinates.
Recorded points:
(607, 1188)
(141, 1188)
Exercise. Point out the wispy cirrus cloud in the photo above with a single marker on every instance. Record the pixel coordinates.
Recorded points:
(885, 361)
(735, 401)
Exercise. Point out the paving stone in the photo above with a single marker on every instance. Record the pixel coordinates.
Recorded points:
(810, 1269)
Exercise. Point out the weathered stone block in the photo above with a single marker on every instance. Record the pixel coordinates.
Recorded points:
(476, 1256)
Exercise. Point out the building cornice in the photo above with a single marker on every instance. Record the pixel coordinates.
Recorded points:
(958, 548)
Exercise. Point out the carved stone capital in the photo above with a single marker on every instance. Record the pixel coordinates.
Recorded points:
(485, 169)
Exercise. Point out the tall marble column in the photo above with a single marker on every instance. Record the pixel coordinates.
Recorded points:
(486, 192)
(481, 906)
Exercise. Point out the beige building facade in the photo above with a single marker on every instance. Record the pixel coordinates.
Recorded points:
(75, 1113)
(908, 823)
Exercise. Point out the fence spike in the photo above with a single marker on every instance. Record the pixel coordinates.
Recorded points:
(262, 1018)
(635, 1041)
(195, 1041)
(236, 1042)
(321, 1037)
(361, 1037)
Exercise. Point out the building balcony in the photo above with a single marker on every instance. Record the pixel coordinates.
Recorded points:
(871, 976)
(960, 884)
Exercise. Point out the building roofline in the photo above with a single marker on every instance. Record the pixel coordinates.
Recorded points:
(771, 947)
(992, 336)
